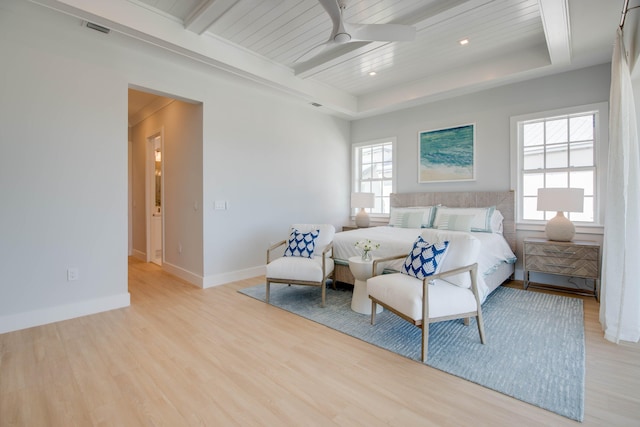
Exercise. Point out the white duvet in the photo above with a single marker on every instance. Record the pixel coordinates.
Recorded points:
(397, 241)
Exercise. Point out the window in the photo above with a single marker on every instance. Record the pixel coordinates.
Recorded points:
(373, 172)
(562, 148)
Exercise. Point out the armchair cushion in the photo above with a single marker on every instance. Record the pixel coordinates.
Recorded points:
(424, 259)
(464, 249)
(404, 293)
(299, 268)
(301, 244)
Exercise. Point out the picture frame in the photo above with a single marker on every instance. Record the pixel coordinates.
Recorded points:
(447, 154)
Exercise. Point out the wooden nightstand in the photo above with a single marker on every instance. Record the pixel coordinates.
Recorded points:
(349, 227)
(578, 258)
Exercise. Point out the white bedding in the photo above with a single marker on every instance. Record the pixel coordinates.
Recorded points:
(494, 254)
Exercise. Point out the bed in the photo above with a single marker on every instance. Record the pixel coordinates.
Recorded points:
(497, 260)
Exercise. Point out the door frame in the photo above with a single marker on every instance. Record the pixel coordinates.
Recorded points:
(149, 194)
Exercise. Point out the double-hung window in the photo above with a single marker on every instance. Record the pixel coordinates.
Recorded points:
(373, 171)
(560, 149)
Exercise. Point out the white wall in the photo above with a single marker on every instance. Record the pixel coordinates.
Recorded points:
(490, 110)
(63, 168)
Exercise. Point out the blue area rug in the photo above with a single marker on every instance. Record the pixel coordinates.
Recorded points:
(534, 350)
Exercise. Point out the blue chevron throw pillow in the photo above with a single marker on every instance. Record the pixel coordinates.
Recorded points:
(424, 259)
(301, 244)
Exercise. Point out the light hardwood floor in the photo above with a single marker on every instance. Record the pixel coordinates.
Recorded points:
(180, 355)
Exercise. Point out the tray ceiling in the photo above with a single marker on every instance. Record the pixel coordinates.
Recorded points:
(509, 40)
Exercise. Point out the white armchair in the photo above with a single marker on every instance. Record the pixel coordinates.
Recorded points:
(450, 294)
(298, 268)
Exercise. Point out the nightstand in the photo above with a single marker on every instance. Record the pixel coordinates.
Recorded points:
(578, 258)
(349, 227)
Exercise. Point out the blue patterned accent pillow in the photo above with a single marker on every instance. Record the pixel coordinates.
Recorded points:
(424, 259)
(302, 244)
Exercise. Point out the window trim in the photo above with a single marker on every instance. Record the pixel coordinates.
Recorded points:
(601, 147)
(354, 176)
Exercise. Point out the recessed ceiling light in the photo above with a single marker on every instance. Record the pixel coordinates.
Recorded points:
(372, 73)
(464, 42)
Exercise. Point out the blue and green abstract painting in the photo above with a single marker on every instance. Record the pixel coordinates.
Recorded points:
(447, 154)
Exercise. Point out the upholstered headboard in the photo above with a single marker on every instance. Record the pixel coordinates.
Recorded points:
(504, 201)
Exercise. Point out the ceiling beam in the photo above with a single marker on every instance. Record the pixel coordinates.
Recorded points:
(555, 21)
(203, 17)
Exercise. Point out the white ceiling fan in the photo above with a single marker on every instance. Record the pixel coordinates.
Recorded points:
(344, 32)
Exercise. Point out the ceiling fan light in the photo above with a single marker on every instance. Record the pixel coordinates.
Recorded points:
(342, 38)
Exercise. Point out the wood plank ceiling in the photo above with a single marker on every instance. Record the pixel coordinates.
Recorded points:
(508, 40)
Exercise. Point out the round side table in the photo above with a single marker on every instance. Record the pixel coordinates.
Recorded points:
(361, 270)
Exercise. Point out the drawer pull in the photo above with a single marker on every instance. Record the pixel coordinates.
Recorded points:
(559, 266)
(551, 251)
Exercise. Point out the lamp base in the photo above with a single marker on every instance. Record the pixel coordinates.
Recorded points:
(362, 219)
(560, 229)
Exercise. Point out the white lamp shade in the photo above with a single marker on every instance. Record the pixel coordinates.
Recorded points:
(362, 200)
(561, 200)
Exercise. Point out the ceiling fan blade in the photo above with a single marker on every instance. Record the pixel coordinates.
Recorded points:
(314, 51)
(381, 32)
(333, 10)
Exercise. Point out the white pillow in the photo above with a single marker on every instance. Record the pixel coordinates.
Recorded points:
(481, 217)
(463, 250)
(496, 222)
(414, 217)
(456, 222)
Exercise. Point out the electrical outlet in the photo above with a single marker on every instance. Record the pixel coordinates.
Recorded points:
(72, 274)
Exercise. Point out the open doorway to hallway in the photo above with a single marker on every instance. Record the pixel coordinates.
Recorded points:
(166, 182)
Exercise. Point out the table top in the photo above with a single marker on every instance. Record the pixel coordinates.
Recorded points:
(357, 259)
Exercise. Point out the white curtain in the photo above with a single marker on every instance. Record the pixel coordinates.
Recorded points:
(620, 290)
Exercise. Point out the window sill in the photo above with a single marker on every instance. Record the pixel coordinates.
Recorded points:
(580, 229)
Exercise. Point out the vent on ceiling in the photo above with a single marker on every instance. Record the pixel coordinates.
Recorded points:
(315, 104)
(97, 27)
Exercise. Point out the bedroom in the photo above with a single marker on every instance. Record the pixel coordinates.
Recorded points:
(196, 246)
(51, 80)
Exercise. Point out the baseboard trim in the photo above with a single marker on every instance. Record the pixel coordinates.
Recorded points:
(183, 274)
(139, 255)
(233, 276)
(29, 319)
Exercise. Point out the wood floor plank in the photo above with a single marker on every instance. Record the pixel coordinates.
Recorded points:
(180, 355)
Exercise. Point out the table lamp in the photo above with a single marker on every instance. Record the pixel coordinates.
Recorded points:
(561, 200)
(362, 201)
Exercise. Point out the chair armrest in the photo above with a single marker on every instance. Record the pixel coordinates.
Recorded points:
(327, 249)
(272, 247)
(379, 260)
(473, 268)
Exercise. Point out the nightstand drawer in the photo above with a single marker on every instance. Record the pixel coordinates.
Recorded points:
(565, 266)
(561, 251)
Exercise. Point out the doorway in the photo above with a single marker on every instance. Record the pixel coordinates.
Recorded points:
(154, 199)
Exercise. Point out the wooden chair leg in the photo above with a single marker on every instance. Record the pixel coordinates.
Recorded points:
(374, 307)
(467, 320)
(425, 341)
(268, 289)
(480, 326)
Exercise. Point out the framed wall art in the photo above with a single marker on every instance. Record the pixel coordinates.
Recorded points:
(446, 155)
